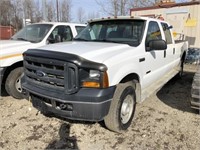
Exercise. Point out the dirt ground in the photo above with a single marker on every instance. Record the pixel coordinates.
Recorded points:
(164, 121)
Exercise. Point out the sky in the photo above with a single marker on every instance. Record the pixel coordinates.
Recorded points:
(89, 6)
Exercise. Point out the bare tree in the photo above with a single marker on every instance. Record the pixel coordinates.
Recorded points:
(38, 12)
(93, 15)
(14, 11)
(32, 10)
(28, 8)
(114, 7)
(17, 14)
(5, 12)
(114, 4)
(81, 15)
(122, 7)
(142, 3)
(65, 13)
(50, 11)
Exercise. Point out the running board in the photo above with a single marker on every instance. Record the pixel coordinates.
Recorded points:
(154, 88)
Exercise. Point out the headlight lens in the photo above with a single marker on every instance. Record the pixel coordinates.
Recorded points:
(94, 74)
(95, 79)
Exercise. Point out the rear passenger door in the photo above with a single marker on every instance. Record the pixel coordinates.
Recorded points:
(170, 51)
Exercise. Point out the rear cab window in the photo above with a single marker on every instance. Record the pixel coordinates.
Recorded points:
(61, 33)
(167, 33)
(79, 29)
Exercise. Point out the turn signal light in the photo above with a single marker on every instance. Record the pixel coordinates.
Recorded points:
(105, 80)
(91, 84)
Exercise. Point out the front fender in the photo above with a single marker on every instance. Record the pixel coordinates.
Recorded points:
(10, 60)
(116, 74)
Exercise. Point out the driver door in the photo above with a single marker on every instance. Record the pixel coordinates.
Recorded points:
(154, 59)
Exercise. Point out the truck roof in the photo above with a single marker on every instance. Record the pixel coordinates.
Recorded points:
(61, 23)
(124, 17)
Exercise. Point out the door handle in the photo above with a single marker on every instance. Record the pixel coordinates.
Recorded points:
(141, 59)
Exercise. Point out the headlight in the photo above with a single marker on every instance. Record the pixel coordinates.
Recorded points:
(94, 74)
(95, 79)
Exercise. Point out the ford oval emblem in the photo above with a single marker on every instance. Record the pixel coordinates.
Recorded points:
(40, 73)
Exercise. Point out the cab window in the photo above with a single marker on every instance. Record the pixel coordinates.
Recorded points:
(167, 33)
(153, 32)
(61, 34)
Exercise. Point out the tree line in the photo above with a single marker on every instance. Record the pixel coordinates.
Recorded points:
(13, 12)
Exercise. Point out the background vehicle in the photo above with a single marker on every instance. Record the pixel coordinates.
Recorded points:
(31, 36)
(6, 32)
(193, 56)
(195, 90)
(113, 63)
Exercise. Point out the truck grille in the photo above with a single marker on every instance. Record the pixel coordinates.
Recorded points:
(53, 74)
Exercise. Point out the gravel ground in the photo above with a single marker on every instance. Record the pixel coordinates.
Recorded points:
(164, 121)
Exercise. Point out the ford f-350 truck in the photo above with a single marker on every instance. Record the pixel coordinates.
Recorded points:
(110, 66)
(31, 36)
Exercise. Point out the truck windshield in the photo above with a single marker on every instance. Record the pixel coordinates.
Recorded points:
(33, 33)
(116, 31)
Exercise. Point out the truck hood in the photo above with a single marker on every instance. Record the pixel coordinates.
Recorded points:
(94, 51)
(12, 43)
(14, 46)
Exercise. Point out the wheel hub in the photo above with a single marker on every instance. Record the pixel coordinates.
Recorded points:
(127, 109)
(18, 84)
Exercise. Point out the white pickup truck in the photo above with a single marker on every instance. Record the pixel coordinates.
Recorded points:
(31, 36)
(111, 65)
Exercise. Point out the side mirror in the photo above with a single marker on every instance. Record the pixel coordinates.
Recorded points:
(157, 45)
(57, 38)
(170, 27)
(50, 40)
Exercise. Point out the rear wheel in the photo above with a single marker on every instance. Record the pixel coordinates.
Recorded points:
(122, 108)
(181, 67)
(13, 83)
(181, 70)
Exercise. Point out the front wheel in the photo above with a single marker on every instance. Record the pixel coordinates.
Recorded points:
(122, 108)
(13, 83)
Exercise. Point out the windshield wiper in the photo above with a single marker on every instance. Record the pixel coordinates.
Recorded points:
(79, 39)
(106, 40)
(23, 39)
(131, 43)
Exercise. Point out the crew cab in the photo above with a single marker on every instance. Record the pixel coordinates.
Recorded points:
(110, 66)
(31, 36)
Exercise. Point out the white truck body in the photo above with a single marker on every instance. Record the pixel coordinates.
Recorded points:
(138, 67)
(11, 50)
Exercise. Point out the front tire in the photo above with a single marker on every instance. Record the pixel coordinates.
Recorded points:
(122, 108)
(13, 83)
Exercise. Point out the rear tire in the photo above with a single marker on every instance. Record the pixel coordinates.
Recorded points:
(122, 108)
(181, 68)
(13, 83)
